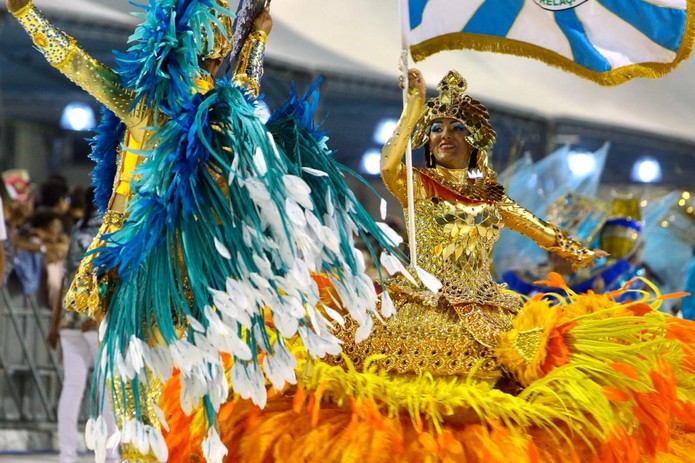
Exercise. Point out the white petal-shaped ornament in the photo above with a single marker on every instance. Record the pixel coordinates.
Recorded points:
(430, 281)
(314, 172)
(222, 249)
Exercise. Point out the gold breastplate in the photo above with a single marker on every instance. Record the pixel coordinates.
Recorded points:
(454, 331)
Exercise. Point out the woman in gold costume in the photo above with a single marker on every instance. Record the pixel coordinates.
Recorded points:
(461, 369)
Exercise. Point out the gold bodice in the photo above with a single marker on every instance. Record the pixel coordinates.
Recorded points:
(454, 331)
(455, 240)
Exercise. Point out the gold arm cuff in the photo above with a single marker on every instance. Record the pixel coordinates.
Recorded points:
(52, 42)
(249, 70)
(260, 35)
(571, 250)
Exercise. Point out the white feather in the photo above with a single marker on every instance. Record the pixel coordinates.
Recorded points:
(390, 233)
(214, 450)
(430, 281)
(222, 249)
(273, 145)
(298, 190)
(195, 324)
(232, 170)
(363, 331)
(158, 444)
(387, 308)
(314, 172)
(259, 161)
(393, 266)
(295, 213)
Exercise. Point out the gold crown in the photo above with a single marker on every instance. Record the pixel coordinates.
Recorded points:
(453, 103)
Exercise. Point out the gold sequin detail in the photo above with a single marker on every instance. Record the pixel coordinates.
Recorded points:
(148, 397)
(52, 42)
(528, 343)
(455, 243)
(249, 70)
(115, 219)
(81, 301)
(421, 339)
(454, 331)
(39, 40)
(89, 292)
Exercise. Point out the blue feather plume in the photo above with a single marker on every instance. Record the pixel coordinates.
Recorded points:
(108, 136)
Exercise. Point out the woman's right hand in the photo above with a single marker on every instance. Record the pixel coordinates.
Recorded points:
(416, 83)
(263, 22)
(16, 5)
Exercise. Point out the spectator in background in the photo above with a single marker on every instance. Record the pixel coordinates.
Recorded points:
(18, 207)
(40, 248)
(54, 195)
(47, 227)
(17, 184)
(76, 204)
(78, 340)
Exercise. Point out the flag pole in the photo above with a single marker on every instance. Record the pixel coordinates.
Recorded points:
(405, 46)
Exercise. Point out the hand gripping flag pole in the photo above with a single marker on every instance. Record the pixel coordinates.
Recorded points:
(405, 46)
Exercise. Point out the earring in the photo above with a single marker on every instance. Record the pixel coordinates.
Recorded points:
(429, 158)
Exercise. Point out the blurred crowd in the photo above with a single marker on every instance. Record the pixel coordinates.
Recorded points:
(37, 222)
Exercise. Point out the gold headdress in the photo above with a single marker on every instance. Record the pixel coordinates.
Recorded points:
(622, 232)
(452, 102)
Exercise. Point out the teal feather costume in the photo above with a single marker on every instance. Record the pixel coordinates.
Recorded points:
(229, 221)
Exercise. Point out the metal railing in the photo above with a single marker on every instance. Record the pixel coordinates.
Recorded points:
(30, 372)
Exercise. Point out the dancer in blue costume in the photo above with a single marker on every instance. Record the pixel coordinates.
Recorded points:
(214, 223)
(615, 228)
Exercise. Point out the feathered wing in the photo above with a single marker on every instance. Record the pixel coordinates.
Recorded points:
(225, 233)
(230, 227)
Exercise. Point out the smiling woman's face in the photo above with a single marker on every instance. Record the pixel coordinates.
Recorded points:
(448, 143)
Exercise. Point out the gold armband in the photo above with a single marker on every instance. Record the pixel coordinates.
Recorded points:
(571, 250)
(55, 45)
(249, 69)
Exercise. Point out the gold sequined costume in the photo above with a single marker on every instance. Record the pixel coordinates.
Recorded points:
(458, 221)
(473, 373)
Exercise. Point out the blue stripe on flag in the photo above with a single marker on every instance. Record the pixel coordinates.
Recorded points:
(494, 17)
(661, 24)
(415, 9)
(583, 51)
